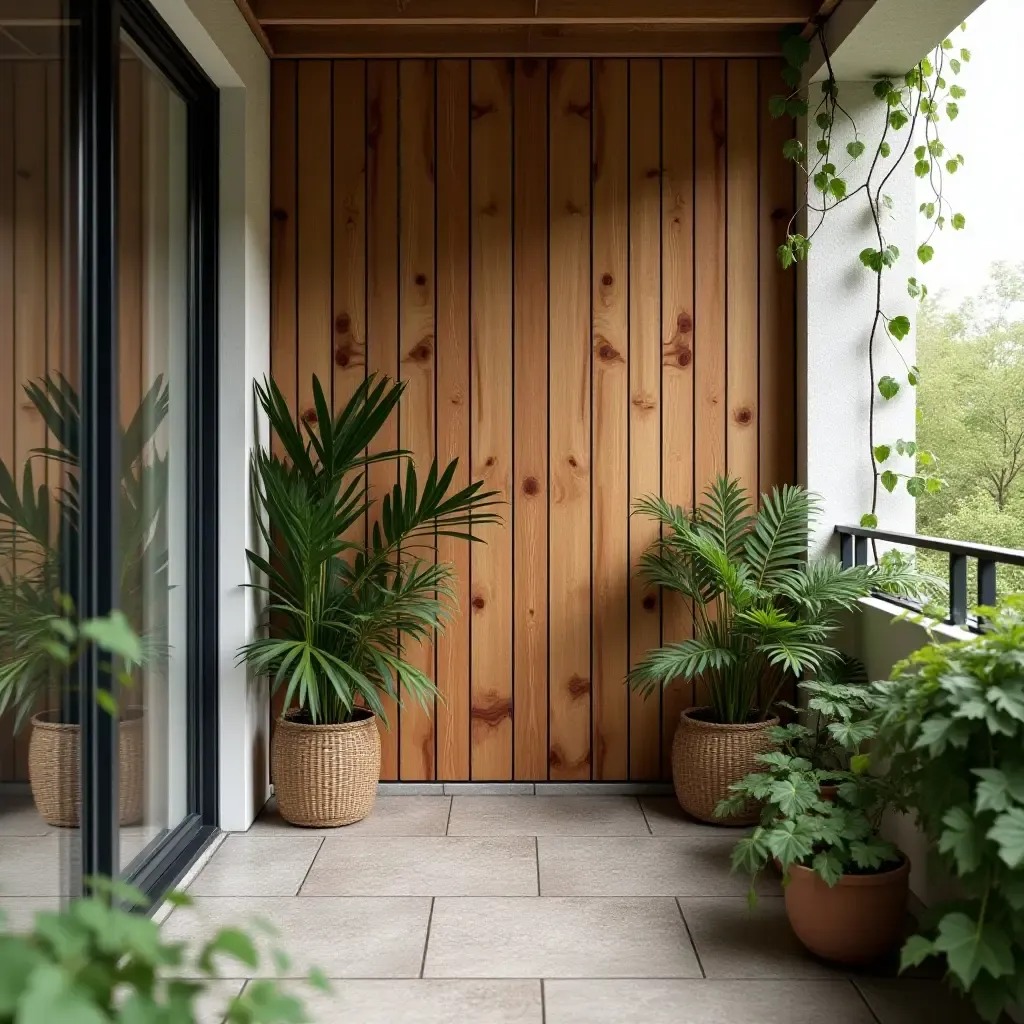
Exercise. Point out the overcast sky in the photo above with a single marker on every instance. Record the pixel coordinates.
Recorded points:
(988, 188)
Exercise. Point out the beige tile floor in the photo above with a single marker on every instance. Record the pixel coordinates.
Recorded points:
(522, 910)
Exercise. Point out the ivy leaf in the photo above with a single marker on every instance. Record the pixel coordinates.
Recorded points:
(890, 480)
(855, 148)
(952, 110)
(872, 259)
(926, 67)
(820, 180)
(899, 326)
(897, 119)
(822, 147)
(796, 50)
(965, 56)
(952, 166)
(920, 152)
(823, 121)
(885, 149)
(869, 521)
(959, 222)
(791, 76)
(793, 149)
(882, 88)
(887, 202)
(888, 387)
(922, 167)
(881, 452)
(925, 458)
(860, 763)
(796, 107)
(955, 65)
(913, 288)
(947, 44)
(777, 106)
(934, 484)
(925, 252)
(916, 486)
(913, 377)
(936, 148)
(958, 92)
(837, 187)
(785, 254)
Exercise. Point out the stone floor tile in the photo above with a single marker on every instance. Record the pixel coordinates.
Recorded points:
(19, 817)
(260, 865)
(424, 866)
(735, 941)
(914, 1000)
(19, 912)
(558, 938)
(666, 818)
(391, 816)
(344, 937)
(212, 1004)
(546, 816)
(703, 1002)
(642, 866)
(32, 865)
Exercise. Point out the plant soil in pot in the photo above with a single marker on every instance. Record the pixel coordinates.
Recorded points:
(859, 919)
(53, 769)
(326, 775)
(707, 758)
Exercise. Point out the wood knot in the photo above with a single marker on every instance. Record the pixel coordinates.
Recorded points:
(555, 757)
(279, 214)
(531, 485)
(780, 214)
(607, 280)
(478, 601)
(578, 687)
(572, 461)
(653, 172)
(649, 602)
(490, 461)
(743, 415)
(493, 713)
(608, 352)
(644, 402)
(23, 174)
(478, 110)
(342, 323)
(309, 416)
(420, 279)
(421, 352)
(684, 323)
(490, 210)
(684, 356)
(342, 355)
(579, 109)
(572, 209)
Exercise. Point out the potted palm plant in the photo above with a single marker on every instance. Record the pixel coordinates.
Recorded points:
(39, 530)
(763, 616)
(340, 611)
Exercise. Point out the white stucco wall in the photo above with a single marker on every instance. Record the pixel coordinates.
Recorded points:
(838, 300)
(216, 34)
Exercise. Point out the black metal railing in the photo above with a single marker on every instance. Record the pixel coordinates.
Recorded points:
(853, 550)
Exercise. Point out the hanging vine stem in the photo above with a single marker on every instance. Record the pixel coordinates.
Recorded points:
(917, 98)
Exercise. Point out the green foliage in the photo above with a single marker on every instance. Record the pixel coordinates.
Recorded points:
(799, 824)
(951, 723)
(763, 614)
(341, 610)
(97, 961)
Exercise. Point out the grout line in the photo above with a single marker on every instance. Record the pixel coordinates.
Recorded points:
(536, 852)
(864, 1000)
(298, 891)
(543, 1003)
(426, 940)
(644, 813)
(689, 935)
(451, 807)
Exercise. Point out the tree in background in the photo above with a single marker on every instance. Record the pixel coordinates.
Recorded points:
(971, 415)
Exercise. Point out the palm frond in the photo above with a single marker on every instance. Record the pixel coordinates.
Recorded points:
(725, 515)
(778, 538)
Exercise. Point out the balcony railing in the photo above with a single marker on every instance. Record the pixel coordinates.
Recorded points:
(853, 550)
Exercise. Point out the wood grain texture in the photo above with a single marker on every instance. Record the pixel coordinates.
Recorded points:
(382, 301)
(569, 328)
(610, 504)
(491, 369)
(777, 296)
(453, 426)
(645, 391)
(677, 258)
(530, 423)
(416, 348)
(742, 400)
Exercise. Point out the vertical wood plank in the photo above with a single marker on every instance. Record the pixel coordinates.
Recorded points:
(530, 376)
(453, 646)
(777, 296)
(742, 404)
(491, 368)
(383, 299)
(645, 390)
(29, 284)
(610, 507)
(416, 412)
(677, 350)
(569, 432)
(8, 381)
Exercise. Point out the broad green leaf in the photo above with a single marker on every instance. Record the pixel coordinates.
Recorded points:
(961, 839)
(793, 149)
(1008, 833)
(869, 521)
(828, 866)
(777, 106)
(881, 452)
(970, 949)
(925, 252)
(899, 326)
(855, 148)
(915, 951)
(888, 387)
(889, 480)
(885, 149)
(959, 222)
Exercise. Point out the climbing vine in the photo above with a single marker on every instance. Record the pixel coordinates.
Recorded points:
(915, 106)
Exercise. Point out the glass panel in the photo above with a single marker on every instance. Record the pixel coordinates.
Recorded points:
(39, 732)
(152, 280)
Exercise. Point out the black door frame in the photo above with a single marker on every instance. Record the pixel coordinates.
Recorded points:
(94, 103)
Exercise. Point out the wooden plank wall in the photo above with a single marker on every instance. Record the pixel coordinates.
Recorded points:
(572, 263)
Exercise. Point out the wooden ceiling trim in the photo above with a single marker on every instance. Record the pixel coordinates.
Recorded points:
(254, 26)
(515, 41)
(533, 12)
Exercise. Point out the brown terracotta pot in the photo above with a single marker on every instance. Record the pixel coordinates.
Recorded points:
(861, 918)
(707, 758)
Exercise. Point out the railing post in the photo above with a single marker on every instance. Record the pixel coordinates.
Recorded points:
(957, 589)
(861, 551)
(986, 582)
(846, 550)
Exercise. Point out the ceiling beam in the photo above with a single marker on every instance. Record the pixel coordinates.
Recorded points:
(533, 12)
(254, 26)
(515, 41)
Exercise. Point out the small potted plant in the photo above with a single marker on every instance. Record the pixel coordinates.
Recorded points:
(846, 887)
(763, 617)
(341, 611)
(951, 720)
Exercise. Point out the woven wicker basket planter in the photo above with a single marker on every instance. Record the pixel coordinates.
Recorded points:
(326, 775)
(53, 769)
(707, 758)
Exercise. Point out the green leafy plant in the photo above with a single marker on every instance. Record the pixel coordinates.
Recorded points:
(96, 961)
(834, 833)
(914, 105)
(39, 528)
(763, 614)
(341, 610)
(952, 722)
